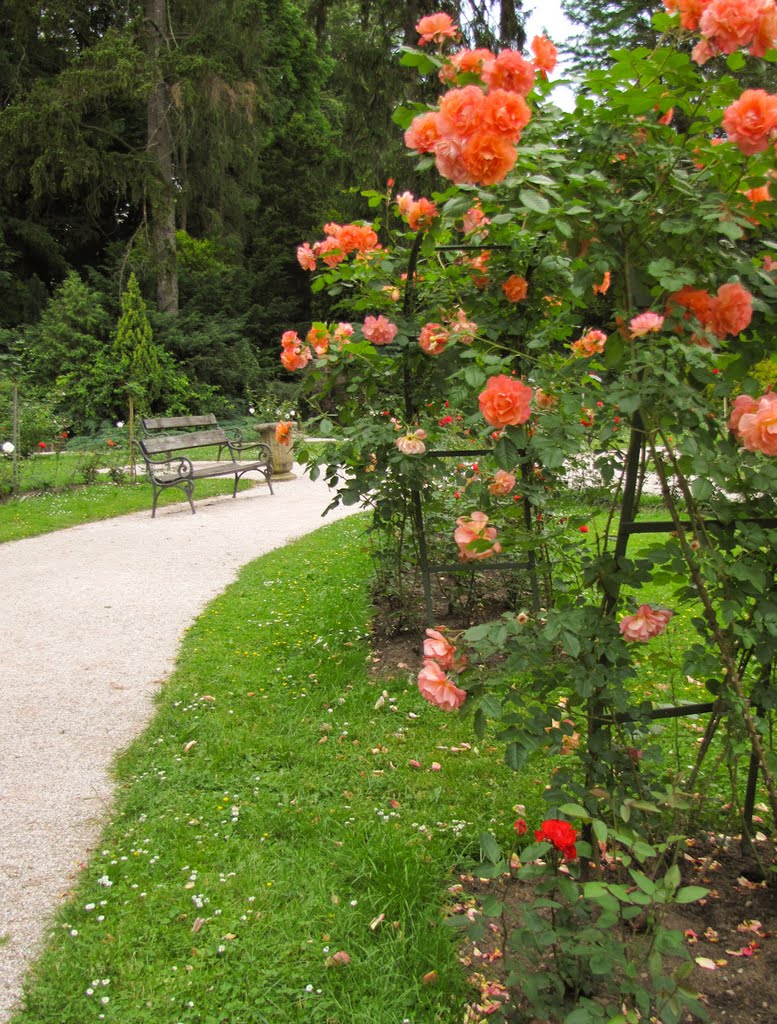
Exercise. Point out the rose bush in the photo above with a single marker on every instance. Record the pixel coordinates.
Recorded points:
(589, 289)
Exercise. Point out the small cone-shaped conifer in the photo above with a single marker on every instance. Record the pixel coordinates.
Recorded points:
(137, 358)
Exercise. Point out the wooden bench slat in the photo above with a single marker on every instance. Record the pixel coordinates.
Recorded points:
(178, 422)
(173, 443)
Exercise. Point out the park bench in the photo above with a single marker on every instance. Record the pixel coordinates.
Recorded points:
(169, 442)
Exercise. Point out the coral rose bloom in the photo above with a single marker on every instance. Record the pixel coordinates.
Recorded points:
(470, 529)
(506, 113)
(645, 624)
(505, 402)
(545, 54)
(731, 310)
(439, 648)
(424, 132)
(590, 344)
(728, 25)
(421, 214)
(438, 688)
(751, 121)
(502, 483)
(436, 28)
(448, 160)
(295, 358)
(412, 444)
(461, 111)
(487, 157)
(645, 323)
(758, 429)
(742, 404)
(379, 330)
(282, 432)
(306, 257)
(515, 288)
(509, 71)
(696, 300)
(433, 339)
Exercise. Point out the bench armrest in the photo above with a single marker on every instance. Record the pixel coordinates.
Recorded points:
(239, 447)
(162, 470)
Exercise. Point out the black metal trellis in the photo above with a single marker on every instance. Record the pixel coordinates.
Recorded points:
(627, 527)
(427, 568)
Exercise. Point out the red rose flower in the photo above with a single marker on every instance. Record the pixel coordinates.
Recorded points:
(561, 835)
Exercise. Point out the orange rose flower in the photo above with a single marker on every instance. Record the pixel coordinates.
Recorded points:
(728, 25)
(506, 113)
(505, 402)
(421, 214)
(509, 71)
(645, 624)
(758, 429)
(751, 121)
(436, 28)
(604, 287)
(283, 432)
(424, 132)
(545, 54)
(742, 404)
(433, 339)
(472, 529)
(515, 288)
(488, 158)
(461, 111)
(438, 689)
(502, 483)
(731, 310)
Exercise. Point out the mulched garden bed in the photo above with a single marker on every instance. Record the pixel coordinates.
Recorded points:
(731, 934)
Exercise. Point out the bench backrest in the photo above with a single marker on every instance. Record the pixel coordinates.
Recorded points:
(150, 424)
(164, 443)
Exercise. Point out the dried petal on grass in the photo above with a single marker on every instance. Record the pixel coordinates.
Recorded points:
(198, 923)
(338, 959)
(188, 746)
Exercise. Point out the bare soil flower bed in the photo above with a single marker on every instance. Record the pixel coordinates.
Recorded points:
(731, 935)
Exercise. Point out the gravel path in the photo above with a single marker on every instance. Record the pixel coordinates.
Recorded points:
(91, 622)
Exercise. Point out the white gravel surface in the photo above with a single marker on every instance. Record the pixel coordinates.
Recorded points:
(91, 619)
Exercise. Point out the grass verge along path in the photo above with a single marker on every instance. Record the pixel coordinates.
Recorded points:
(32, 515)
(280, 810)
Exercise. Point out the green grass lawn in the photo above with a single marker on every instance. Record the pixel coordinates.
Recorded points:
(32, 514)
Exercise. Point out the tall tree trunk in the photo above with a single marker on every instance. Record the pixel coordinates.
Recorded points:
(160, 146)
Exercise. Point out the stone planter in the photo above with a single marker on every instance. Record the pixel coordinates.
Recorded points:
(282, 454)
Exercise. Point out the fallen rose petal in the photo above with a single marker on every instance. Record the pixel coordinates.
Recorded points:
(188, 746)
(414, 764)
(706, 963)
(745, 883)
(198, 923)
(435, 766)
(376, 921)
(430, 978)
(339, 959)
(751, 926)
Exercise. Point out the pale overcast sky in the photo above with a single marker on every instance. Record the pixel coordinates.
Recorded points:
(547, 16)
